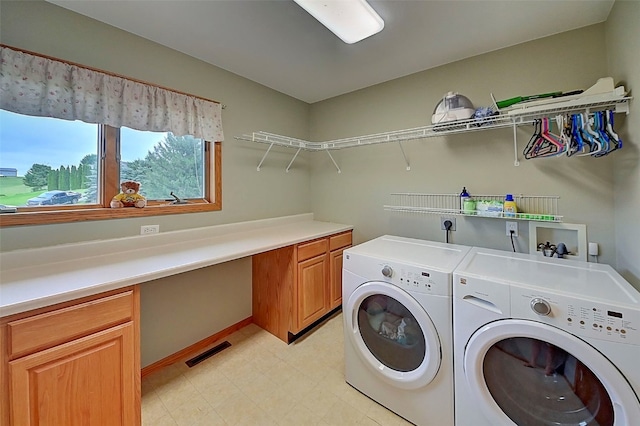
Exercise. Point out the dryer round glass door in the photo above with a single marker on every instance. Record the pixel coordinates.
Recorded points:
(393, 335)
(528, 373)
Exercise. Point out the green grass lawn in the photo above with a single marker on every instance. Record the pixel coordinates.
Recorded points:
(14, 193)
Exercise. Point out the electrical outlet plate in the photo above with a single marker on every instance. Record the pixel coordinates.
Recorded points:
(443, 219)
(149, 229)
(512, 226)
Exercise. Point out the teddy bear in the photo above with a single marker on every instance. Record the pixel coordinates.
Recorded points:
(129, 196)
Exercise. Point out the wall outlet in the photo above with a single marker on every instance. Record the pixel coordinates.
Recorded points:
(149, 229)
(512, 226)
(444, 219)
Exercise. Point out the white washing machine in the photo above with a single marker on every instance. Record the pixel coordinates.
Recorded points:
(396, 301)
(542, 341)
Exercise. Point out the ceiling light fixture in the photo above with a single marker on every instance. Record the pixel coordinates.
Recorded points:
(351, 20)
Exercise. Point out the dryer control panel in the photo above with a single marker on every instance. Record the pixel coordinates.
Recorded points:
(578, 316)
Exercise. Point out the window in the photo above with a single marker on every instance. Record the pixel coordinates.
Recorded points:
(72, 172)
(163, 163)
(69, 170)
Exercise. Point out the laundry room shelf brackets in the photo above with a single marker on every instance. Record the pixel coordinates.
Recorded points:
(530, 207)
(616, 101)
(273, 139)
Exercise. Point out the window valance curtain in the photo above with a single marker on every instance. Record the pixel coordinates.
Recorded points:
(38, 86)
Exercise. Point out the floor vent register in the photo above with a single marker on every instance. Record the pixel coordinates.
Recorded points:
(208, 353)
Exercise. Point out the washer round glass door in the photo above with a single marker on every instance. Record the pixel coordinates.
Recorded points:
(393, 335)
(529, 373)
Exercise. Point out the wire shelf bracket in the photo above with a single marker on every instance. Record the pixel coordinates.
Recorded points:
(516, 161)
(264, 156)
(406, 160)
(334, 161)
(293, 159)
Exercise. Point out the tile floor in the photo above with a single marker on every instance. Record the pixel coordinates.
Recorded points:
(260, 380)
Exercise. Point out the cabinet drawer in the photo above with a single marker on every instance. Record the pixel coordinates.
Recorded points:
(339, 241)
(312, 249)
(52, 328)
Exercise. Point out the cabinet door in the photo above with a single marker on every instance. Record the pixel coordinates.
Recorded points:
(335, 277)
(313, 298)
(88, 381)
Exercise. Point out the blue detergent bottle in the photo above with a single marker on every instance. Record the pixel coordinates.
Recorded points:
(510, 209)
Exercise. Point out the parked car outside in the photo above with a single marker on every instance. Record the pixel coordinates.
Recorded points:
(8, 209)
(54, 197)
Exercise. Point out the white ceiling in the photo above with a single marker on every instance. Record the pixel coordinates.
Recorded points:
(278, 44)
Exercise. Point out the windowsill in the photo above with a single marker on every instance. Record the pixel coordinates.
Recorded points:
(100, 213)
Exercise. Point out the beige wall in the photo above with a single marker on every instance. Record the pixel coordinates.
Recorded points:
(247, 194)
(180, 310)
(623, 49)
(481, 161)
(208, 298)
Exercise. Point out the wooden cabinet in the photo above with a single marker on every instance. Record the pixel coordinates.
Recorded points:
(335, 272)
(337, 244)
(76, 363)
(310, 289)
(295, 286)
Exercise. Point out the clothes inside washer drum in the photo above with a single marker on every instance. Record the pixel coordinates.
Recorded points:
(404, 357)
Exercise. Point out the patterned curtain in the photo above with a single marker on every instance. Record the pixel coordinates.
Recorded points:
(33, 85)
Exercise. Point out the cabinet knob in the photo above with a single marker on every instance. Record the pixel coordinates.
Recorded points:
(387, 271)
(540, 306)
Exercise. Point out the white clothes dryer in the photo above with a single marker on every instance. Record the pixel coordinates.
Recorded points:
(397, 312)
(542, 341)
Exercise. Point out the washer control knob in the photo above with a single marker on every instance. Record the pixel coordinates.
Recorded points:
(540, 306)
(387, 271)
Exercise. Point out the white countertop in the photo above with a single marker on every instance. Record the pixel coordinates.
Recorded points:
(34, 278)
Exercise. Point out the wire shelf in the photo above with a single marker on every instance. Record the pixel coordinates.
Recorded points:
(530, 207)
(517, 117)
(525, 114)
(461, 126)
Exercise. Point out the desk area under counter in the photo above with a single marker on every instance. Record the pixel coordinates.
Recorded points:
(93, 290)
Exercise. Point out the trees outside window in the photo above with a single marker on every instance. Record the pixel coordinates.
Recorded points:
(39, 177)
(173, 164)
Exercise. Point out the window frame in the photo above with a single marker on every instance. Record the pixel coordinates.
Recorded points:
(109, 176)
